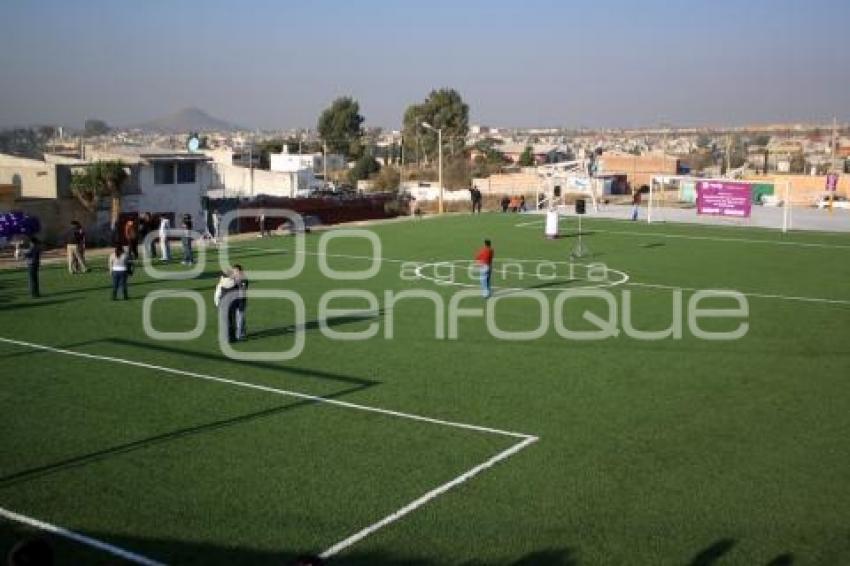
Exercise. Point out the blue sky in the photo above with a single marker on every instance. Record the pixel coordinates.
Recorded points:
(276, 64)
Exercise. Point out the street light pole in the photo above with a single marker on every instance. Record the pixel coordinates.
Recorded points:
(439, 159)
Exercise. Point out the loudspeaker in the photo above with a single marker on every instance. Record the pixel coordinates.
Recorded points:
(580, 207)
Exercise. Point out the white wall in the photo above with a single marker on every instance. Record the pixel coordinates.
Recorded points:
(293, 162)
(178, 199)
(237, 181)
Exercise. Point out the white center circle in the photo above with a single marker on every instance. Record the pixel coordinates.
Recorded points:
(546, 271)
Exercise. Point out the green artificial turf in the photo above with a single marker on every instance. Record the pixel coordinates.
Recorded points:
(676, 451)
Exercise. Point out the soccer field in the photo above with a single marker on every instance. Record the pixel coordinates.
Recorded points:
(430, 442)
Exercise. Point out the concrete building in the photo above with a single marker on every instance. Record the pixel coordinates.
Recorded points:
(286, 162)
(161, 181)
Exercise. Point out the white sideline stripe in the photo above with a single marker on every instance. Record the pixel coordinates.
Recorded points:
(707, 238)
(526, 439)
(275, 390)
(747, 294)
(436, 492)
(83, 539)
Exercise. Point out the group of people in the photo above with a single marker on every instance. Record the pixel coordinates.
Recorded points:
(135, 231)
(513, 204)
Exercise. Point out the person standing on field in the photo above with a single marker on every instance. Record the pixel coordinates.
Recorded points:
(225, 300)
(76, 243)
(33, 259)
(164, 227)
(635, 204)
(484, 258)
(131, 235)
(119, 268)
(241, 301)
(188, 257)
(216, 222)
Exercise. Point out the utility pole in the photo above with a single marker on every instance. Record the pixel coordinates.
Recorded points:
(401, 169)
(832, 168)
(728, 153)
(325, 162)
(834, 143)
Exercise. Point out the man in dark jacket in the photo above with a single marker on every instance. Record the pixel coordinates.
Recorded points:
(33, 258)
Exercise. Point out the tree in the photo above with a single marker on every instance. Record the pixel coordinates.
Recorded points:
(23, 142)
(798, 163)
(341, 127)
(443, 109)
(387, 179)
(102, 179)
(364, 167)
(526, 158)
(457, 173)
(95, 127)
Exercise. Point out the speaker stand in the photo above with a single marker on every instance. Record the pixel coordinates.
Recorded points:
(580, 250)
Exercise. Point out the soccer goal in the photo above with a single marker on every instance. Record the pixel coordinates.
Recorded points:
(558, 180)
(732, 202)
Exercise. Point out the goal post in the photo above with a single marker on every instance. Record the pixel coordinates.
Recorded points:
(765, 203)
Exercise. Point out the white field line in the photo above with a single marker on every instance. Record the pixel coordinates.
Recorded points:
(436, 492)
(525, 439)
(705, 238)
(424, 263)
(748, 294)
(88, 541)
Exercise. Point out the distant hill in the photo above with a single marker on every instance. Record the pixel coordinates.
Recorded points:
(186, 120)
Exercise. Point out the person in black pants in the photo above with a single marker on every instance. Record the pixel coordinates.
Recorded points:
(119, 267)
(226, 300)
(33, 257)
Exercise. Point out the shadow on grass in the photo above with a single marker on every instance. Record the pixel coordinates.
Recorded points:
(717, 551)
(84, 459)
(314, 325)
(351, 380)
(30, 303)
(202, 553)
(713, 553)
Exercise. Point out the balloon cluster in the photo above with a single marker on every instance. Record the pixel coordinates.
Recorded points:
(18, 224)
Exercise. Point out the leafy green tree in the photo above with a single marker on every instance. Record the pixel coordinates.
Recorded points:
(101, 179)
(443, 109)
(363, 169)
(761, 140)
(387, 179)
(798, 163)
(526, 158)
(456, 173)
(341, 127)
(24, 142)
(95, 127)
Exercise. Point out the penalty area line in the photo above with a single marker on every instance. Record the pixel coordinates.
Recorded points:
(427, 497)
(524, 439)
(77, 537)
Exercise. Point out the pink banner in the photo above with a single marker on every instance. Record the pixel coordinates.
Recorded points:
(724, 198)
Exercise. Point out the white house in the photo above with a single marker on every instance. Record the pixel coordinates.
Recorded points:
(286, 162)
(161, 181)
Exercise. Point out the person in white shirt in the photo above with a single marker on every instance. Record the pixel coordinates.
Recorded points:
(119, 268)
(226, 300)
(164, 227)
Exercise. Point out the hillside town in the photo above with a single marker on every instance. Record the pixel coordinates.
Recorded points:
(178, 167)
